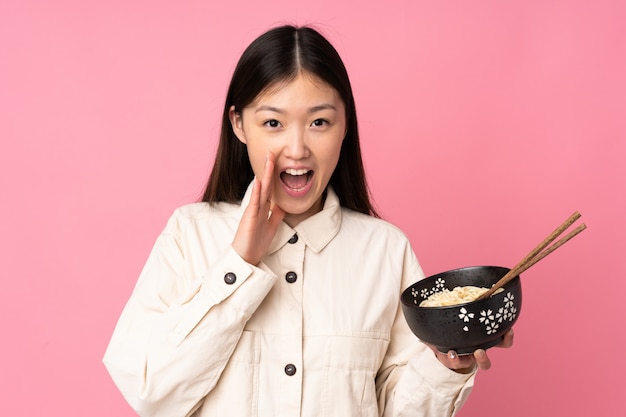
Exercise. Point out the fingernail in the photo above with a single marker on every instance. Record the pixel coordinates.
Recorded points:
(479, 353)
(452, 354)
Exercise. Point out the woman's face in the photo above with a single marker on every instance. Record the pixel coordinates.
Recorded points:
(303, 123)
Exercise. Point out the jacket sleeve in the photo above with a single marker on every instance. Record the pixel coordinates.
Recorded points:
(176, 332)
(411, 381)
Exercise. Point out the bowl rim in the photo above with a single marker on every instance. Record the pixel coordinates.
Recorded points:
(406, 293)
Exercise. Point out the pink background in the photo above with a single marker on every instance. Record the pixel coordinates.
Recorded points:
(484, 123)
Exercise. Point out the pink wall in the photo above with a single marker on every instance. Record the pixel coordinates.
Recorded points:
(485, 124)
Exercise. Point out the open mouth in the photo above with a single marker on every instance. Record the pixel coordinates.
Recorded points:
(296, 179)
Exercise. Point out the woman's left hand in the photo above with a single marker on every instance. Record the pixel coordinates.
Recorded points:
(466, 363)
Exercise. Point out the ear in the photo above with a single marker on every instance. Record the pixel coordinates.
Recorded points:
(237, 123)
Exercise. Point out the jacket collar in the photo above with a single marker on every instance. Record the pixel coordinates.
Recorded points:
(316, 231)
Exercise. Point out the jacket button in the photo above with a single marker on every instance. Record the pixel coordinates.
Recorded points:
(230, 278)
(290, 369)
(291, 277)
(293, 239)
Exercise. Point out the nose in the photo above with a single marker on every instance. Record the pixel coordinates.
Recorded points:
(296, 147)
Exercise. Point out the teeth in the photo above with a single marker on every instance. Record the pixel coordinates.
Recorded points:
(292, 171)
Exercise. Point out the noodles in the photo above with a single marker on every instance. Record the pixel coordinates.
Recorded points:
(458, 295)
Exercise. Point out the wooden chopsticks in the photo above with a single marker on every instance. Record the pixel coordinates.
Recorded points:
(536, 254)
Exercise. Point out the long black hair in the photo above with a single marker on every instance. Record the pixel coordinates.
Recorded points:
(279, 55)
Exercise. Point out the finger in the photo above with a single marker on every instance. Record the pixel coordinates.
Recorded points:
(276, 216)
(266, 183)
(507, 340)
(482, 360)
(255, 196)
(459, 363)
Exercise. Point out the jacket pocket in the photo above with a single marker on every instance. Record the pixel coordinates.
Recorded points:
(237, 391)
(351, 368)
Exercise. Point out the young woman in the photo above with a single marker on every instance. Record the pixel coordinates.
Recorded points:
(279, 294)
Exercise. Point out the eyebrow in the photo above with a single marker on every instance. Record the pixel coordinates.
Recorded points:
(281, 111)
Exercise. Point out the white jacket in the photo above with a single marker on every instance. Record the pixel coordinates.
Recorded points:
(315, 330)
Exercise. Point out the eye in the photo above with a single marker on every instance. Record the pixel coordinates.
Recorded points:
(320, 122)
(273, 123)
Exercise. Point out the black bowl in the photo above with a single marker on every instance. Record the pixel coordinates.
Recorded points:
(463, 327)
